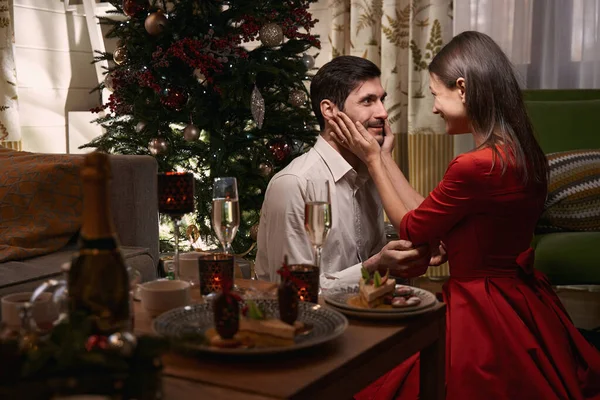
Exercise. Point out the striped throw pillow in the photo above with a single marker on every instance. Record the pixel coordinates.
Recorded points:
(573, 202)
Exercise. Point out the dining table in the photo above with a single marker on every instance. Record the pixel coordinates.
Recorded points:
(337, 369)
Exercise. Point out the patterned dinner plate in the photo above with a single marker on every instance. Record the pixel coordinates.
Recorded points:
(326, 324)
(340, 297)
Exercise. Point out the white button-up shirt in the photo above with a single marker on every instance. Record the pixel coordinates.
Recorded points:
(357, 228)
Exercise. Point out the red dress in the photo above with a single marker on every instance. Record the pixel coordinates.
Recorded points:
(508, 335)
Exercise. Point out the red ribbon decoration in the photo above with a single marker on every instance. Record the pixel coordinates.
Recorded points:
(226, 285)
(286, 275)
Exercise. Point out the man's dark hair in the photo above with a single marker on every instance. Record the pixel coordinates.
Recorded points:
(335, 80)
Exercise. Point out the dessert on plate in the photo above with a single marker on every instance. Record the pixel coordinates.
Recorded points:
(375, 291)
(252, 326)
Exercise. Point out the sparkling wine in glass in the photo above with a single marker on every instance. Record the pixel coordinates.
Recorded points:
(317, 214)
(226, 211)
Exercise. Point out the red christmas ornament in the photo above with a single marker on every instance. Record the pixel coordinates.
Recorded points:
(280, 149)
(132, 7)
(174, 98)
(96, 342)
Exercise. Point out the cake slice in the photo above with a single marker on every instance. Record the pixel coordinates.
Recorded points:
(272, 327)
(372, 290)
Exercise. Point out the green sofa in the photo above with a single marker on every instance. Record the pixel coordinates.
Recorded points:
(566, 120)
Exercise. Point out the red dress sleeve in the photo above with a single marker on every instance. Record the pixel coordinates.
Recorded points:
(445, 206)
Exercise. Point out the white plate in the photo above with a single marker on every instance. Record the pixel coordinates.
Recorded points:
(369, 314)
(339, 299)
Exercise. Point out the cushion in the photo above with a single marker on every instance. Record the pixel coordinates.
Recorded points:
(573, 202)
(40, 202)
(565, 125)
(568, 258)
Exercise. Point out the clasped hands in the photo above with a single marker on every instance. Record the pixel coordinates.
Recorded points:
(404, 260)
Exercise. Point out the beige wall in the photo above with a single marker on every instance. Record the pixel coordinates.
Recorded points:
(53, 55)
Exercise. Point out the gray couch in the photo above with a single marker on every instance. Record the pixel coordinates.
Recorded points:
(134, 208)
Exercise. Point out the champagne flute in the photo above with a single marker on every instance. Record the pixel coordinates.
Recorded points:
(226, 211)
(317, 214)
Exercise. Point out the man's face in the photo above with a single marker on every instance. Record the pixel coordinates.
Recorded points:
(365, 104)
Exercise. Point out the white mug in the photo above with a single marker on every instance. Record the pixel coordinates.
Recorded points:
(188, 267)
(44, 310)
(163, 295)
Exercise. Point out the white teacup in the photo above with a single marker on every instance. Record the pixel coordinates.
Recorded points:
(44, 310)
(188, 267)
(163, 295)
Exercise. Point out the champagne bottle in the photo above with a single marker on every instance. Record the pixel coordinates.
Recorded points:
(98, 283)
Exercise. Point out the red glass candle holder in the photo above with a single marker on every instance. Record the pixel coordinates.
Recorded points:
(175, 193)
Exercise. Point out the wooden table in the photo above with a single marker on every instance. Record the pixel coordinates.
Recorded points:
(335, 370)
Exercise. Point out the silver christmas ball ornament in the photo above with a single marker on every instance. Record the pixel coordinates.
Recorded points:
(109, 83)
(271, 35)
(191, 133)
(308, 61)
(158, 146)
(297, 98)
(120, 55)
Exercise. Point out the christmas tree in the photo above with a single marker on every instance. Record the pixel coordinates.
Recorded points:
(187, 88)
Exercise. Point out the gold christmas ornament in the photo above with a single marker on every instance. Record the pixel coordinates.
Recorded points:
(254, 232)
(120, 55)
(200, 77)
(155, 23)
(271, 35)
(158, 146)
(297, 98)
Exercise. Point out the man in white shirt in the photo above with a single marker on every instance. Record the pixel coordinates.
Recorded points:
(356, 238)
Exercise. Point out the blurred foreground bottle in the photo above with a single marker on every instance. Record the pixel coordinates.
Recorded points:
(98, 283)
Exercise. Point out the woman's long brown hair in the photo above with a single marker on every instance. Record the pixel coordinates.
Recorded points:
(494, 101)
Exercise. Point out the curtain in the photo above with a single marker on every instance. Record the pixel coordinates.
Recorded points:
(401, 37)
(10, 131)
(554, 44)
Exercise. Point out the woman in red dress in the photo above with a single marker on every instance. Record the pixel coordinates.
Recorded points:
(508, 335)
